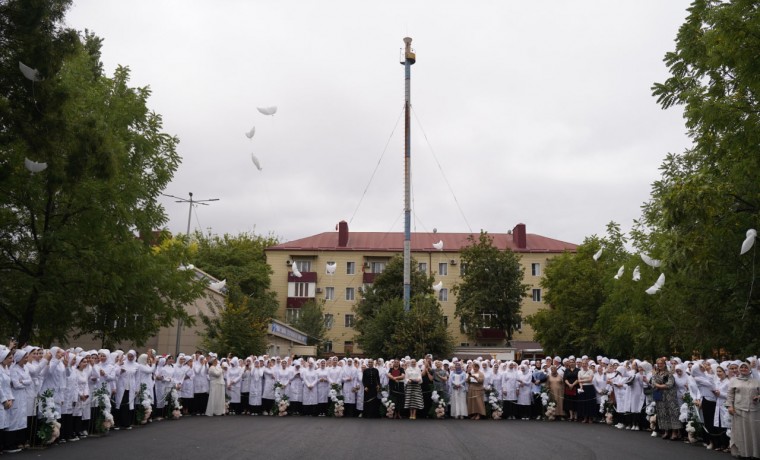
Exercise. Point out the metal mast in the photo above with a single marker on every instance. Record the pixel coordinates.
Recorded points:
(409, 59)
(189, 218)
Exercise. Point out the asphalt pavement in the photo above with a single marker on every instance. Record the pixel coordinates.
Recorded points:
(244, 437)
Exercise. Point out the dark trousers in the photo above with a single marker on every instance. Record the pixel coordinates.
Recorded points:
(125, 415)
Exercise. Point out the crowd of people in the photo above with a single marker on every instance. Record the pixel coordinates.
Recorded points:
(58, 396)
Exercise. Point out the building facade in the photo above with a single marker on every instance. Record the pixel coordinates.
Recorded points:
(336, 266)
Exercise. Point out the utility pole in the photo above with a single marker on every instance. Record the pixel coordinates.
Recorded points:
(189, 218)
(409, 59)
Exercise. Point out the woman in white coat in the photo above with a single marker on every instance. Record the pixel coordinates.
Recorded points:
(458, 381)
(256, 388)
(234, 382)
(126, 389)
(323, 387)
(267, 392)
(310, 390)
(348, 380)
(22, 383)
(7, 399)
(215, 404)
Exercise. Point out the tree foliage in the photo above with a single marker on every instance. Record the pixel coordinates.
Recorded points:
(311, 321)
(241, 323)
(383, 326)
(69, 252)
(708, 196)
(491, 284)
(699, 210)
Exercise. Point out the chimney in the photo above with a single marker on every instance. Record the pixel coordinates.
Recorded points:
(519, 237)
(342, 234)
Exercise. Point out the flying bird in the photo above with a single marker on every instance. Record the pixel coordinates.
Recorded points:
(34, 166)
(267, 110)
(657, 285)
(296, 273)
(749, 241)
(620, 272)
(636, 274)
(649, 261)
(330, 268)
(598, 254)
(218, 286)
(29, 72)
(438, 286)
(250, 133)
(438, 245)
(255, 161)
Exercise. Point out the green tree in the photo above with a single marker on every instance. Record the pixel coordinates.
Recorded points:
(383, 326)
(491, 290)
(239, 326)
(577, 286)
(311, 321)
(107, 162)
(235, 327)
(708, 196)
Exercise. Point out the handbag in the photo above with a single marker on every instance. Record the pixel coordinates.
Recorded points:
(657, 394)
(570, 391)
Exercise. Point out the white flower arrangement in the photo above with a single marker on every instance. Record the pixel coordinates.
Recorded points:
(173, 405)
(50, 429)
(551, 411)
(104, 420)
(281, 401)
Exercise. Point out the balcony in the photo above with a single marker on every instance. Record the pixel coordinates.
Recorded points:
(487, 333)
(369, 278)
(306, 277)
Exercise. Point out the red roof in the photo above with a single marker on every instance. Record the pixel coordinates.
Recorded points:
(421, 242)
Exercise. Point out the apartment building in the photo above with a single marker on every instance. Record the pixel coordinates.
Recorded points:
(335, 266)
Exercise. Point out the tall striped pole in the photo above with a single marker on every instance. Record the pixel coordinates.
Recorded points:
(409, 59)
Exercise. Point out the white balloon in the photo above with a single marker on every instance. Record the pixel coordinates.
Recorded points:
(256, 161)
(29, 72)
(620, 272)
(438, 245)
(749, 241)
(250, 133)
(636, 273)
(267, 110)
(330, 268)
(649, 261)
(33, 166)
(294, 268)
(598, 254)
(438, 286)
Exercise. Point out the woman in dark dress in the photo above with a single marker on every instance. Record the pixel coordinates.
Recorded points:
(571, 390)
(396, 387)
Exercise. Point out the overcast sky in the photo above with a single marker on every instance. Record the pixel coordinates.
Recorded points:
(537, 112)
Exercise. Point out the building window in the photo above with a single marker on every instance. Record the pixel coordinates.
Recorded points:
(445, 320)
(350, 293)
(329, 320)
(535, 269)
(327, 346)
(301, 290)
(487, 319)
(443, 295)
(349, 321)
(377, 267)
(329, 293)
(422, 267)
(536, 295)
(443, 268)
(462, 269)
(348, 347)
(292, 315)
(303, 265)
(350, 268)
(464, 344)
